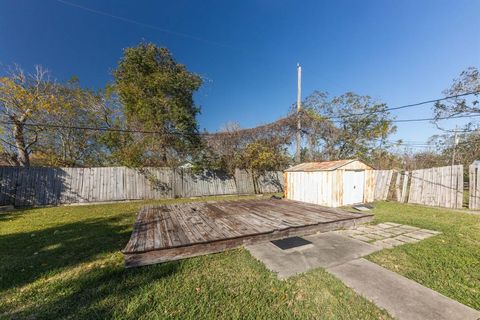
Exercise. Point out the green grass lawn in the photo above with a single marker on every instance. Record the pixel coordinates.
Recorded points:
(448, 263)
(64, 262)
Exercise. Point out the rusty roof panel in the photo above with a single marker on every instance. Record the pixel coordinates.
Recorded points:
(320, 166)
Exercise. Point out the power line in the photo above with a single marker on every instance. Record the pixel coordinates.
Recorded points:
(405, 106)
(440, 118)
(46, 125)
(146, 25)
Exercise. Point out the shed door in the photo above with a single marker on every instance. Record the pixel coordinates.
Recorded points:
(353, 184)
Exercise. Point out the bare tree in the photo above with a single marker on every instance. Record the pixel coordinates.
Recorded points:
(22, 98)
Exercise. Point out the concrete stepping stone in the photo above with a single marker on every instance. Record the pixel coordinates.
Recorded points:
(383, 234)
(388, 235)
(388, 243)
(384, 226)
(402, 298)
(397, 231)
(361, 237)
(406, 239)
(410, 228)
(429, 231)
(420, 235)
(393, 224)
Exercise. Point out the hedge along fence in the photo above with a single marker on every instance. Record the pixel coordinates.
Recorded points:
(36, 186)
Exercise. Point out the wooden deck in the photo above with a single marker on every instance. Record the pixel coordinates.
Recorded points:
(176, 231)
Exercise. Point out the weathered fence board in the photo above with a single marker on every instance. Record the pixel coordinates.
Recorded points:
(244, 182)
(205, 183)
(383, 179)
(51, 186)
(474, 187)
(270, 182)
(401, 186)
(440, 187)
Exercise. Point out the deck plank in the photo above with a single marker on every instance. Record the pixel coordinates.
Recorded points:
(150, 227)
(170, 232)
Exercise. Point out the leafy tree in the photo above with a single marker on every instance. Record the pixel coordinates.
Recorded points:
(62, 146)
(467, 82)
(261, 156)
(157, 95)
(466, 151)
(258, 149)
(24, 98)
(346, 126)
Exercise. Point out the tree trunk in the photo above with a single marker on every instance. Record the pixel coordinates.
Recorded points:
(22, 153)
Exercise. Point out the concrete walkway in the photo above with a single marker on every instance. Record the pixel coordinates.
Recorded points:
(401, 297)
(340, 254)
(327, 250)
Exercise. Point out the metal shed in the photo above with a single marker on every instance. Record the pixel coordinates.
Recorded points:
(330, 183)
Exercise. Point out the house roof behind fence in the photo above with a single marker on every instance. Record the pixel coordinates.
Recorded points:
(320, 166)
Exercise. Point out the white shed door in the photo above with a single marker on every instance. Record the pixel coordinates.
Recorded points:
(353, 184)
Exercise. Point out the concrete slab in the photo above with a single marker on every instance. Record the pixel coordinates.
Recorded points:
(388, 243)
(365, 228)
(350, 232)
(420, 235)
(373, 235)
(402, 298)
(393, 224)
(396, 231)
(361, 237)
(383, 234)
(410, 228)
(328, 249)
(406, 239)
(429, 231)
(384, 226)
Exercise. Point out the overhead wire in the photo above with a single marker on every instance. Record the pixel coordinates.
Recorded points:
(142, 24)
(112, 129)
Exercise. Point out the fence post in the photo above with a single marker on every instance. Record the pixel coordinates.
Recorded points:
(473, 197)
(398, 195)
(404, 187)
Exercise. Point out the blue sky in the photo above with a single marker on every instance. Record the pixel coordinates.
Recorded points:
(398, 52)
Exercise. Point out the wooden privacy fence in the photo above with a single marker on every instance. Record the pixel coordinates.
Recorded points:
(383, 179)
(440, 187)
(474, 184)
(50, 186)
(401, 186)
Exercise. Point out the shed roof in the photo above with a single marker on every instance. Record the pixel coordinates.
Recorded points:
(321, 166)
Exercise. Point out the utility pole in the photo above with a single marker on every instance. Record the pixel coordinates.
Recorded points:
(455, 142)
(299, 107)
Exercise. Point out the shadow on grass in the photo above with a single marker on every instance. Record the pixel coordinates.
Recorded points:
(97, 293)
(11, 215)
(31, 255)
(92, 291)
